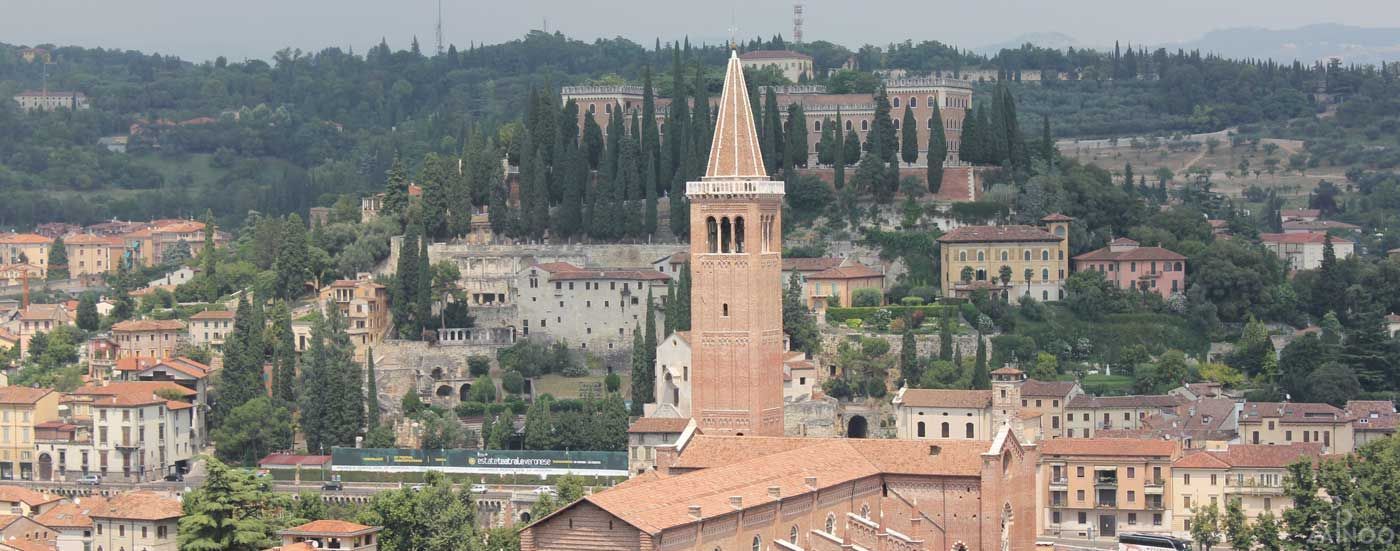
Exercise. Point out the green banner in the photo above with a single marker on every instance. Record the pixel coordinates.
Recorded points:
(479, 461)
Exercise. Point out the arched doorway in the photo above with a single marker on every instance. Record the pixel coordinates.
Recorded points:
(444, 391)
(437, 373)
(464, 391)
(45, 467)
(857, 427)
(525, 517)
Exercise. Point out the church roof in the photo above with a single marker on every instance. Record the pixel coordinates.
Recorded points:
(735, 152)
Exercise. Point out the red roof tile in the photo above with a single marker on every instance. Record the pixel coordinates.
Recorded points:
(923, 397)
(22, 395)
(853, 271)
(1121, 447)
(810, 264)
(1299, 238)
(658, 425)
(998, 234)
(140, 505)
(329, 527)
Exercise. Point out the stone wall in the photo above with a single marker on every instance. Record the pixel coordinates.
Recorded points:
(611, 255)
(814, 417)
(425, 368)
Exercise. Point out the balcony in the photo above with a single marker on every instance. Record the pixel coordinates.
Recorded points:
(1252, 488)
(1059, 483)
(1059, 503)
(1156, 506)
(1107, 504)
(1102, 481)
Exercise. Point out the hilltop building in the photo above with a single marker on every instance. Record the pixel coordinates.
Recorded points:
(1035, 258)
(1128, 265)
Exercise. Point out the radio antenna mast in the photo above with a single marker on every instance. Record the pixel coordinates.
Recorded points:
(440, 49)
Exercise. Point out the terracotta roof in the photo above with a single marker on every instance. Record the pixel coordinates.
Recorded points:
(24, 239)
(563, 271)
(133, 387)
(22, 395)
(26, 544)
(853, 271)
(1136, 401)
(998, 234)
(44, 312)
(1299, 238)
(185, 365)
(1057, 389)
(734, 151)
(1057, 217)
(139, 505)
(1250, 456)
(811, 264)
(924, 397)
(134, 363)
(664, 503)
(213, 315)
(773, 54)
(149, 325)
(705, 451)
(1318, 225)
(658, 425)
(71, 515)
(290, 459)
(1136, 253)
(1008, 370)
(1121, 447)
(329, 527)
(298, 546)
(90, 239)
(1291, 412)
(1378, 415)
(19, 494)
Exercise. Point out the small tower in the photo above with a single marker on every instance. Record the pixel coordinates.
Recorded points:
(1057, 224)
(1006, 395)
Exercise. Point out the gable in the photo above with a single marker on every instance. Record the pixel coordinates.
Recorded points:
(582, 525)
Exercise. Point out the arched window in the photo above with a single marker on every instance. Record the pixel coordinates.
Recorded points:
(1045, 274)
(1177, 266)
(913, 102)
(607, 108)
(724, 309)
(1003, 255)
(981, 256)
(864, 125)
(1045, 295)
(896, 123)
(962, 256)
(726, 235)
(757, 543)
(930, 123)
(945, 430)
(792, 535)
(817, 125)
(921, 429)
(739, 234)
(931, 101)
(1026, 256)
(969, 430)
(712, 234)
(1045, 254)
(592, 108)
(865, 510)
(848, 125)
(895, 100)
(831, 523)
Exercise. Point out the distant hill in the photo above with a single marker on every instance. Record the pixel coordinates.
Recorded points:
(1352, 44)
(1058, 41)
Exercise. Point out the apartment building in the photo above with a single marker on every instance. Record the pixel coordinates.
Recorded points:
(1128, 265)
(93, 255)
(144, 520)
(1282, 423)
(40, 318)
(21, 408)
(592, 309)
(148, 338)
(1086, 415)
(1098, 487)
(70, 522)
(209, 329)
(21, 501)
(1034, 257)
(1049, 399)
(365, 305)
(1372, 420)
(126, 431)
(1251, 474)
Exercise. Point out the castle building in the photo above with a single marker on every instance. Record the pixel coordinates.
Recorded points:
(1034, 259)
(736, 288)
(594, 310)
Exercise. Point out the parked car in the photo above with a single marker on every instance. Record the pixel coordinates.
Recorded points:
(546, 490)
(478, 488)
(332, 486)
(417, 487)
(90, 480)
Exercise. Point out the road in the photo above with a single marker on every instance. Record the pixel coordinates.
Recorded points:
(352, 491)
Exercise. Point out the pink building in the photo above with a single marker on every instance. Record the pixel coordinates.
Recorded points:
(1125, 264)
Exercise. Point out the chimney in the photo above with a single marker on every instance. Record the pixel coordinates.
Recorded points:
(736, 502)
(811, 482)
(695, 512)
(775, 492)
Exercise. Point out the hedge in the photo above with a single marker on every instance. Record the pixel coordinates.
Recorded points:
(840, 315)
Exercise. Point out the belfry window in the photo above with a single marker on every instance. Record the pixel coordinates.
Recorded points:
(726, 235)
(712, 234)
(739, 234)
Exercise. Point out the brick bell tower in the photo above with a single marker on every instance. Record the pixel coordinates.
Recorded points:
(736, 278)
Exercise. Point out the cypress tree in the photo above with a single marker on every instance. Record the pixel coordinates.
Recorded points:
(1128, 179)
(999, 150)
(796, 139)
(1047, 143)
(642, 391)
(58, 260)
(371, 391)
(332, 399)
(981, 379)
(423, 291)
(669, 321)
(592, 141)
(838, 154)
(824, 147)
(774, 148)
(909, 137)
(945, 337)
(614, 143)
(241, 378)
(293, 263)
(649, 173)
(627, 191)
(651, 144)
(882, 138)
(909, 366)
(574, 176)
(87, 317)
(537, 217)
(395, 189)
(937, 149)
(208, 254)
(679, 113)
(683, 299)
(970, 148)
(1016, 143)
(405, 286)
(852, 147)
(649, 345)
(284, 356)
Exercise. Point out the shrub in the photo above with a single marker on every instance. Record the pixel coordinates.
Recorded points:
(483, 391)
(470, 409)
(866, 297)
(513, 382)
(612, 382)
(898, 325)
(840, 315)
(479, 366)
(853, 323)
(911, 301)
(929, 294)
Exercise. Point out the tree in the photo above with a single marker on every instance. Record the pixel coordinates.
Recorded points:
(1236, 527)
(838, 154)
(513, 382)
(883, 141)
(945, 336)
(1128, 179)
(58, 260)
(88, 319)
(937, 149)
(241, 378)
(1265, 532)
(1205, 526)
(332, 400)
(395, 189)
(229, 512)
(404, 288)
(436, 515)
(910, 369)
(372, 391)
(1046, 368)
(909, 137)
(642, 375)
(284, 355)
(981, 378)
(1333, 383)
(798, 323)
(683, 299)
(796, 142)
(253, 430)
(539, 425)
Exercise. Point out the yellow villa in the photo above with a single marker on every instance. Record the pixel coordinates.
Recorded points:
(1035, 259)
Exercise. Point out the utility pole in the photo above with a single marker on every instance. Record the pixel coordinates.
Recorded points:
(440, 49)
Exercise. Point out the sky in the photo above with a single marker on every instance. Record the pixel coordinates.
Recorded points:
(203, 29)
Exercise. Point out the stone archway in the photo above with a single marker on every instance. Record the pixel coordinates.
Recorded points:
(45, 467)
(857, 427)
(443, 391)
(464, 392)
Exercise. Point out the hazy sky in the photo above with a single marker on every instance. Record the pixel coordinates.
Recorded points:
(202, 29)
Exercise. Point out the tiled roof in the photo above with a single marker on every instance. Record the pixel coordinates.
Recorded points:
(149, 325)
(1008, 370)
(1291, 412)
(664, 502)
(139, 505)
(133, 387)
(329, 527)
(1056, 389)
(705, 451)
(44, 312)
(24, 239)
(658, 425)
(1136, 253)
(998, 234)
(1378, 415)
(854, 271)
(1250, 456)
(937, 398)
(90, 239)
(70, 514)
(19, 494)
(810, 264)
(134, 363)
(734, 152)
(773, 54)
(1120, 447)
(187, 366)
(22, 395)
(1057, 217)
(26, 544)
(213, 315)
(563, 271)
(1137, 401)
(1299, 238)
(1318, 225)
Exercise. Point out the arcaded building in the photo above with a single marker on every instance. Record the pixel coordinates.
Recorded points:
(740, 493)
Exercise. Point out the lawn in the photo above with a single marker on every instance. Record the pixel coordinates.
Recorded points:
(563, 387)
(1107, 385)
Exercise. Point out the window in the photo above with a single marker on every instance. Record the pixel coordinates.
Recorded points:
(894, 101)
(931, 102)
(1026, 255)
(921, 429)
(1083, 517)
(1055, 517)
(1044, 274)
(1186, 502)
(981, 256)
(848, 125)
(864, 125)
(962, 256)
(817, 126)
(792, 535)
(1186, 479)
(1003, 256)
(724, 309)
(913, 102)
(1079, 472)
(864, 510)
(969, 430)
(1268, 504)
(1212, 480)
(1132, 496)
(757, 543)
(945, 430)
(1132, 472)
(831, 523)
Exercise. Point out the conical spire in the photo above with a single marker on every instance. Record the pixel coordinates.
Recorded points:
(734, 152)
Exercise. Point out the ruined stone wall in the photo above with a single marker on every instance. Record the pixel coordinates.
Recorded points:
(438, 373)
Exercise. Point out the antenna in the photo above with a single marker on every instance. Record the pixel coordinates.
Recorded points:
(733, 29)
(439, 29)
(797, 23)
